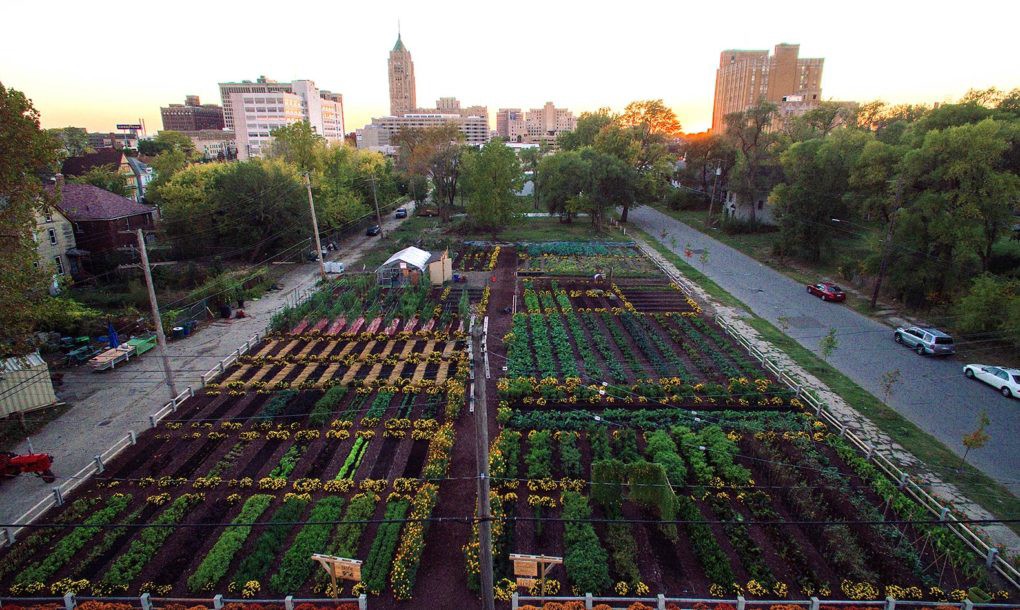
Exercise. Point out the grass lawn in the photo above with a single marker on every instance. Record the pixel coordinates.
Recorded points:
(994, 497)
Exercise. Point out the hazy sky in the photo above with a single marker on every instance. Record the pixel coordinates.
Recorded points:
(96, 63)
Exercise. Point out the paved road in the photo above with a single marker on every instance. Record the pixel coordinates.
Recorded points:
(932, 393)
(105, 406)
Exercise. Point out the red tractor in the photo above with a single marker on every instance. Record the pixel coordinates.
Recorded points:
(12, 464)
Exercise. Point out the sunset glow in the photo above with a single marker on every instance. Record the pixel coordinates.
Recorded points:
(95, 64)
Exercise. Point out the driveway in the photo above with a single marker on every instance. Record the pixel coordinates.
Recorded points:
(105, 406)
(932, 393)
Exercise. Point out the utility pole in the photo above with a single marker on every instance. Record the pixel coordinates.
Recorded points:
(156, 320)
(378, 216)
(715, 187)
(482, 455)
(315, 228)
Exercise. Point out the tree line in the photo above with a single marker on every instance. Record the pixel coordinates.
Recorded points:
(937, 189)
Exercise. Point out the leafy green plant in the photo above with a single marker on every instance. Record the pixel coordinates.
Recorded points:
(585, 560)
(144, 547)
(267, 546)
(348, 534)
(326, 406)
(354, 457)
(570, 455)
(74, 541)
(377, 564)
(216, 562)
(295, 567)
(539, 456)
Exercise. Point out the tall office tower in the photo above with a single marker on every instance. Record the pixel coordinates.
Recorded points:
(401, 72)
(744, 77)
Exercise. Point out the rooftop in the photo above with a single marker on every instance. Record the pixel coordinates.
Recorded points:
(83, 202)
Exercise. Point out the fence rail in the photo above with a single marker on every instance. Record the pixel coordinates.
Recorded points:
(740, 603)
(147, 602)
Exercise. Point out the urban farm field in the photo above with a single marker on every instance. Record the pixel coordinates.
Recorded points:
(346, 415)
(630, 435)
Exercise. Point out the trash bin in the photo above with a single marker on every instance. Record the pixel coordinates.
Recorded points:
(178, 332)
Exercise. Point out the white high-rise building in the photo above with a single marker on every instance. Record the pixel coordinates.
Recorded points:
(253, 110)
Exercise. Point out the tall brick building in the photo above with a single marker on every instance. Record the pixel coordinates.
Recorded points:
(401, 74)
(192, 116)
(745, 76)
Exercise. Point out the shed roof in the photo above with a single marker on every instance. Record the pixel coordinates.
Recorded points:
(21, 363)
(410, 255)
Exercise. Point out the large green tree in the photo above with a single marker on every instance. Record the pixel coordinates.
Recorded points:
(434, 152)
(105, 177)
(73, 140)
(561, 176)
(298, 144)
(964, 166)
(756, 145)
(817, 172)
(26, 152)
(492, 178)
(589, 124)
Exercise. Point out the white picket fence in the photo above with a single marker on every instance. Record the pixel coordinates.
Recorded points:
(98, 463)
(740, 603)
(990, 554)
(145, 601)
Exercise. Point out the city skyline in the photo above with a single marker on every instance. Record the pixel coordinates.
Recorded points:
(603, 59)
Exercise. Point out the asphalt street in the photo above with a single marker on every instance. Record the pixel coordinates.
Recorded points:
(932, 392)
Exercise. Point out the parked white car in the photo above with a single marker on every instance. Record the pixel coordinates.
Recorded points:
(1006, 381)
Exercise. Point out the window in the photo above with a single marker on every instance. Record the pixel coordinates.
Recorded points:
(52, 235)
(59, 264)
(49, 218)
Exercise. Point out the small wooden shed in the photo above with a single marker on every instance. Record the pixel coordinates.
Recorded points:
(25, 384)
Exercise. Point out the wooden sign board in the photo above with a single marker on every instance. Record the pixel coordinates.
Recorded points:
(527, 583)
(340, 567)
(525, 567)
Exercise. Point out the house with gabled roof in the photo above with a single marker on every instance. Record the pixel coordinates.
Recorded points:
(104, 157)
(103, 222)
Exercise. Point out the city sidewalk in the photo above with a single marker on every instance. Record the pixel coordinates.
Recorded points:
(105, 406)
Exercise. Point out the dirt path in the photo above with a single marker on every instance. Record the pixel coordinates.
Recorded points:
(107, 405)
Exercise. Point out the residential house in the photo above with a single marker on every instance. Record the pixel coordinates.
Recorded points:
(104, 222)
(143, 175)
(54, 236)
(113, 157)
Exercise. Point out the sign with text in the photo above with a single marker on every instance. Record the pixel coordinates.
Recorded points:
(527, 583)
(525, 567)
(135, 126)
(340, 567)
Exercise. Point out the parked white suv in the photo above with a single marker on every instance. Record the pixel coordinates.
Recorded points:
(925, 340)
